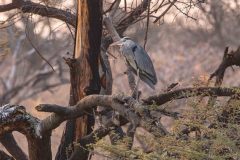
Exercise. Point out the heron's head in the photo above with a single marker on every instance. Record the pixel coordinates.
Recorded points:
(120, 42)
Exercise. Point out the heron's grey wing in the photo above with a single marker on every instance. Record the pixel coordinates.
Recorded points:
(130, 57)
(144, 63)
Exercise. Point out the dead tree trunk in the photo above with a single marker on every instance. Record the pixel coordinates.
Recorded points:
(84, 73)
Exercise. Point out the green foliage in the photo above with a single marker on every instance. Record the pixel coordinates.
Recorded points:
(204, 133)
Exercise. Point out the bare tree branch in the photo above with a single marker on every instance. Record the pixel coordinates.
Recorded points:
(8, 7)
(166, 10)
(5, 156)
(162, 98)
(55, 120)
(229, 59)
(42, 10)
(12, 147)
(126, 22)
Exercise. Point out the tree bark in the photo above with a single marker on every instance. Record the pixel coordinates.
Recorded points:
(12, 147)
(84, 73)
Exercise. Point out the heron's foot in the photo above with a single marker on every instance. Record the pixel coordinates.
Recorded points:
(135, 92)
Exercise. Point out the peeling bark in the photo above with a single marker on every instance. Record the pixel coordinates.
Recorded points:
(83, 66)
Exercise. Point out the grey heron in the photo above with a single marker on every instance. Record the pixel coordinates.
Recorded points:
(139, 61)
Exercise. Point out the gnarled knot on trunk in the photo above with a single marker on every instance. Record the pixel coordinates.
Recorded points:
(8, 110)
(15, 117)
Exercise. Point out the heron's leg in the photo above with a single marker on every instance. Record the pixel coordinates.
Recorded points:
(137, 84)
(135, 91)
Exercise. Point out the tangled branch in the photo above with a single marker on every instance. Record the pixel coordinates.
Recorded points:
(42, 10)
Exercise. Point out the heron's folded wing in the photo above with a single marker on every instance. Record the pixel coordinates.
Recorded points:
(145, 64)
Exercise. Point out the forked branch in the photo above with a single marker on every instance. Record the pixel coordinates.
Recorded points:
(229, 59)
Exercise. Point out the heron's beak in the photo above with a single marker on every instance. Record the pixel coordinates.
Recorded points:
(118, 43)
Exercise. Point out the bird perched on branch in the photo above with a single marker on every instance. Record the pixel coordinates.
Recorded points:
(139, 61)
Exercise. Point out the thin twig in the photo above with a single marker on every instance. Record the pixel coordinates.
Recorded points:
(148, 17)
(40, 55)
